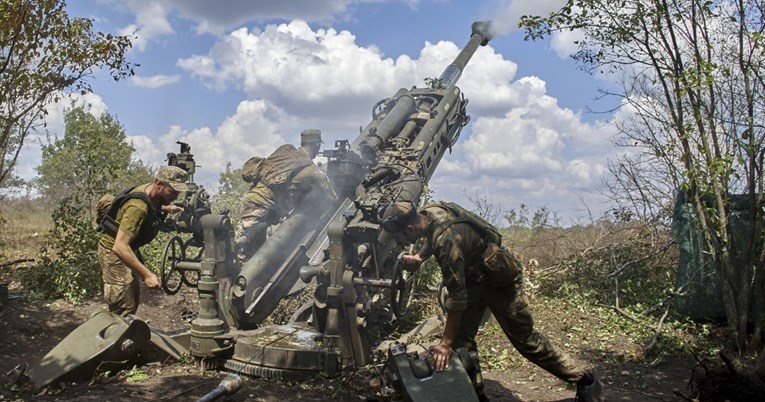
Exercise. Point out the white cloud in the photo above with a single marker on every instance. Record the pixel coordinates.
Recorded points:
(294, 62)
(152, 17)
(255, 129)
(325, 71)
(151, 22)
(564, 42)
(537, 153)
(215, 17)
(154, 81)
(506, 14)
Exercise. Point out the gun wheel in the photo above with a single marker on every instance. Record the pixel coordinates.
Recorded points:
(171, 277)
(403, 290)
(191, 244)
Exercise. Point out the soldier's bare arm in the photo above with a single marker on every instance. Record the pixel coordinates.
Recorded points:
(125, 253)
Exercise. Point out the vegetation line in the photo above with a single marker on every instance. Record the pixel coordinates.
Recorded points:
(16, 261)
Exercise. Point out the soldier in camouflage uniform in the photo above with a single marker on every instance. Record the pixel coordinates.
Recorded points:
(266, 204)
(478, 273)
(135, 216)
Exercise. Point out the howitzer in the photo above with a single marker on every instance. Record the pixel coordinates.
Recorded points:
(392, 159)
(334, 247)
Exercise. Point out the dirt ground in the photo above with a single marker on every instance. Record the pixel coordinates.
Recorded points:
(29, 330)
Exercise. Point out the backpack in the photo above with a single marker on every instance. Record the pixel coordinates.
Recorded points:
(457, 214)
(102, 206)
(282, 165)
(251, 169)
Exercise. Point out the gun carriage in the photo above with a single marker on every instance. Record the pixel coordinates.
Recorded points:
(358, 283)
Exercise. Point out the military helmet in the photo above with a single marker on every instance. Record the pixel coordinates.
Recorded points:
(395, 218)
(310, 135)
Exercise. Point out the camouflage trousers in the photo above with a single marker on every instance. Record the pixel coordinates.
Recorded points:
(250, 232)
(121, 286)
(511, 311)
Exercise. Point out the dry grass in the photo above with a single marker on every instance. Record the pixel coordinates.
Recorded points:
(23, 225)
(549, 245)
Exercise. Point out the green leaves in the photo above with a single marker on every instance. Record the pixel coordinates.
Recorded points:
(91, 159)
(137, 375)
(45, 53)
(230, 190)
(434, 83)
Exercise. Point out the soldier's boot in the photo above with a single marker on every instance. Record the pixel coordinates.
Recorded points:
(249, 241)
(589, 389)
(240, 245)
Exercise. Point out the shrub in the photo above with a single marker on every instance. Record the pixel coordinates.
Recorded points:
(68, 264)
(645, 278)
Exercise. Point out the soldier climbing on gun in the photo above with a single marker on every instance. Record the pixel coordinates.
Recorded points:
(281, 181)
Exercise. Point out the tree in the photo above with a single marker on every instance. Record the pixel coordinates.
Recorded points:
(91, 159)
(691, 80)
(43, 54)
(231, 188)
(485, 207)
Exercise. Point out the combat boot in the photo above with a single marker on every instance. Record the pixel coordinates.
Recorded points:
(589, 389)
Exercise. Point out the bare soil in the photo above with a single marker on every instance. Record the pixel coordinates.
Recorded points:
(30, 329)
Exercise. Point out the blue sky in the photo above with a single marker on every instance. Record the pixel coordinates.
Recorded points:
(236, 78)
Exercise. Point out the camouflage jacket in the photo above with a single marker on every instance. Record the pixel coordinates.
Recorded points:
(308, 182)
(457, 239)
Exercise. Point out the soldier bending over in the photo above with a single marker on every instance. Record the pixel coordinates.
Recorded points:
(479, 273)
(133, 219)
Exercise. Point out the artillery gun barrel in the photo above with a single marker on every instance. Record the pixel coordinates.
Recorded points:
(481, 36)
(391, 125)
(270, 263)
(392, 120)
(430, 136)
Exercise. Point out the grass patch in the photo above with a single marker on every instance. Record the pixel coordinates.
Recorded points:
(137, 375)
(23, 224)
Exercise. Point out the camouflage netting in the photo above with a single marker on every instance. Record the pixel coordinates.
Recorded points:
(696, 273)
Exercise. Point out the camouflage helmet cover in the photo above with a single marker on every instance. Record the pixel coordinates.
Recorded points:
(310, 135)
(174, 176)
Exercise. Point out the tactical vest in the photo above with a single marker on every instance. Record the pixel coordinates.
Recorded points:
(500, 266)
(279, 168)
(149, 227)
(457, 214)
